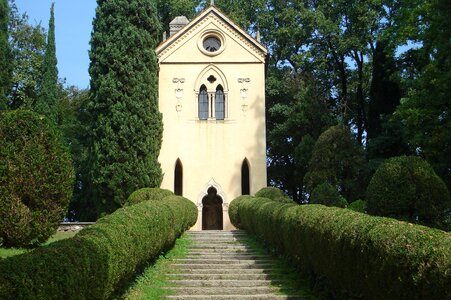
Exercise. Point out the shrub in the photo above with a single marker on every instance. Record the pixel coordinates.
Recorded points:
(339, 160)
(369, 257)
(36, 178)
(358, 205)
(327, 195)
(233, 210)
(146, 194)
(100, 258)
(273, 194)
(407, 187)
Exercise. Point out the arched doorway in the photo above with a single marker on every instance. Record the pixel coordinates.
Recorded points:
(212, 210)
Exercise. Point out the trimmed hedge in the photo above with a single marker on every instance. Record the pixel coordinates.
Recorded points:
(146, 194)
(36, 178)
(406, 187)
(328, 195)
(274, 194)
(358, 205)
(100, 258)
(233, 210)
(369, 257)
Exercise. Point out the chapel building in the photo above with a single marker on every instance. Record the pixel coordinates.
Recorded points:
(212, 98)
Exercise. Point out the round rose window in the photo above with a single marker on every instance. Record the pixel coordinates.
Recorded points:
(212, 44)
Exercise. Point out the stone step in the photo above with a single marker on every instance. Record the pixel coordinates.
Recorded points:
(218, 237)
(223, 266)
(206, 242)
(217, 271)
(240, 236)
(220, 246)
(223, 290)
(216, 232)
(229, 283)
(219, 266)
(226, 276)
(219, 250)
(217, 240)
(221, 261)
(226, 256)
(234, 297)
(231, 255)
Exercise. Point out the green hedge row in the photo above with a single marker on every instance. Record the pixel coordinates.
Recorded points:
(146, 194)
(100, 258)
(274, 194)
(369, 257)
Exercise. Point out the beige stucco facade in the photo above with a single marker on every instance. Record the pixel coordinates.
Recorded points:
(212, 151)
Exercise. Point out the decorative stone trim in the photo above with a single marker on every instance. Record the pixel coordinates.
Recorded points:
(178, 93)
(213, 32)
(209, 18)
(220, 192)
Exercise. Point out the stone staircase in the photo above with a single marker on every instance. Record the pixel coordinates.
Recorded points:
(219, 265)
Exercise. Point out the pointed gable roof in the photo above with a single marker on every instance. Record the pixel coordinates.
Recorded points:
(212, 11)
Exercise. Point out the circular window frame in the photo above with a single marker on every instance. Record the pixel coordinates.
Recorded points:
(211, 33)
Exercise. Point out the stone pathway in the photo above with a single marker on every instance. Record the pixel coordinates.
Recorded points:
(220, 266)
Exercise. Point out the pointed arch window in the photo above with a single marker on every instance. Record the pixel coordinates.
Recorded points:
(219, 103)
(245, 178)
(178, 178)
(203, 103)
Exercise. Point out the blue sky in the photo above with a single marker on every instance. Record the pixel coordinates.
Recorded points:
(73, 26)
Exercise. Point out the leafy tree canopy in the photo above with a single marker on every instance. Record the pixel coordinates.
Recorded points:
(28, 48)
(338, 160)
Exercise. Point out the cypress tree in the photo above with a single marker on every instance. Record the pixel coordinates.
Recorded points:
(126, 133)
(5, 54)
(48, 93)
(384, 133)
(385, 93)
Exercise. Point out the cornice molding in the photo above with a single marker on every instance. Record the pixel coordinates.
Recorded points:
(211, 15)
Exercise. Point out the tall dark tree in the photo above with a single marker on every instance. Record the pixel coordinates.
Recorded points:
(385, 92)
(5, 55)
(384, 133)
(48, 92)
(126, 133)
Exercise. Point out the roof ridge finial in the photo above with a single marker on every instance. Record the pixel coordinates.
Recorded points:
(212, 2)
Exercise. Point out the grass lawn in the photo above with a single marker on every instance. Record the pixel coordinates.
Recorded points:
(60, 235)
(151, 284)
